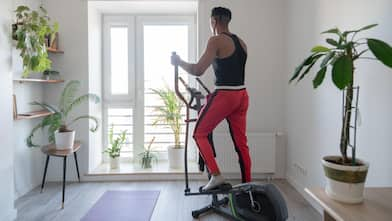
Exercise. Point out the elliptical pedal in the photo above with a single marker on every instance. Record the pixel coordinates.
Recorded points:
(223, 188)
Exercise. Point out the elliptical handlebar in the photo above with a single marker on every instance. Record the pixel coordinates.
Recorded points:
(182, 98)
(196, 97)
(176, 87)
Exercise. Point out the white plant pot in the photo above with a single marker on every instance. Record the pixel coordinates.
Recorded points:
(114, 163)
(64, 140)
(345, 183)
(176, 157)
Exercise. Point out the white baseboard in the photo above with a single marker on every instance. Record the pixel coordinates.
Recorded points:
(301, 189)
(10, 216)
(25, 189)
(163, 177)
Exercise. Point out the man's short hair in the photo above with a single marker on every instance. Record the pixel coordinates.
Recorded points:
(221, 14)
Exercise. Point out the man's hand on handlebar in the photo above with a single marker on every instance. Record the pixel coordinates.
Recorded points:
(175, 59)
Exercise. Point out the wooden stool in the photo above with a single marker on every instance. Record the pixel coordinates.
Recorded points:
(50, 150)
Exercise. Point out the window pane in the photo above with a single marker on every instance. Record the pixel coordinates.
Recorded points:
(159, 42)
(119, 60)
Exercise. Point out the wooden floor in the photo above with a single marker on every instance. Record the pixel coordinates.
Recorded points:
(172, 205)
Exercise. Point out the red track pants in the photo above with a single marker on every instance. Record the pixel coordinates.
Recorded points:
(231, 105)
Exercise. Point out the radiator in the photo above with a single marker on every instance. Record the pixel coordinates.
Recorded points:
(261, 147)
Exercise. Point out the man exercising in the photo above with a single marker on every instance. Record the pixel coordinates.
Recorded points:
(227, 54)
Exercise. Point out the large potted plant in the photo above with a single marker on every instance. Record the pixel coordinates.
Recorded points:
(114, 148)
(31, 31)
(58, 123)
(345, 174)
(170, 114)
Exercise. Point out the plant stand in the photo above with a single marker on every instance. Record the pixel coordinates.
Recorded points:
(50, 150)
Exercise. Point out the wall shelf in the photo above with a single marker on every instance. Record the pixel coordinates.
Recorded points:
(56, 51)
(33, 114)
(37, 80)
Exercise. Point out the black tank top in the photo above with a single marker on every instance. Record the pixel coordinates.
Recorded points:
(230, 71)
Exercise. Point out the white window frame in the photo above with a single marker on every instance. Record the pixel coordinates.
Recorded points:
(157, 20)
(135, 98)
(119, 21)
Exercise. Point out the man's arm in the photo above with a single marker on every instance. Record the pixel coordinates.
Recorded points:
(205, 61)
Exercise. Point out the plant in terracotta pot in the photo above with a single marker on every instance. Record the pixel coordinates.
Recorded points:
(30, 31)
(58, 123)
(170, 114)
(114, 148)
(345, 174)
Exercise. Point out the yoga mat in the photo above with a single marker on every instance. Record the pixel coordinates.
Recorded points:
(123, 206)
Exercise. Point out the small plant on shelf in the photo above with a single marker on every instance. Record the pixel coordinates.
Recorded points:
(148, 156)
(57, 124)
(47, 74)
(31, 31)
(115, 145)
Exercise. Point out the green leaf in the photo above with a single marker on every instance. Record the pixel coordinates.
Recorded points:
(298, 69)
(320, 49)
(45, 106)
(92, 97)
(69, 94)
(342, 71)
(367, 27)
(332, 31)
(22, 8)
(359, 30)
(314, 60)
(319, 77)
(34, 61)
(332, 42)
(327, 58)
(381, 50)
(307, 70)
(94, 119)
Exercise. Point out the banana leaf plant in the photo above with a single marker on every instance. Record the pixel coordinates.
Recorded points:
(59, 119)
(339, 57)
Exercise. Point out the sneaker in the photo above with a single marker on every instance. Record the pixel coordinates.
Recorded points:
(214, 182)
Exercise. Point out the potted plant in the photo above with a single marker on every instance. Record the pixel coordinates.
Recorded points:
(30, 31)
(48, 73)
(170, 114)
(114, 148)
(148, 156)
(58, 124)
(345, 175)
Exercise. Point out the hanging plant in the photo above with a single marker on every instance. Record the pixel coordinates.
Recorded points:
(31, 31)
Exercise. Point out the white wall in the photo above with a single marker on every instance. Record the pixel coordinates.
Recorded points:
(313, 117)
(95, 81)
(261, 24)
(7, 211)
(73, 64)
(27, 161)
